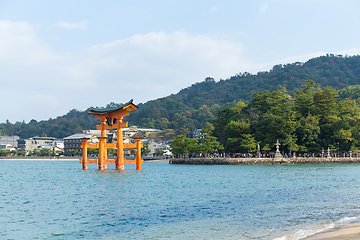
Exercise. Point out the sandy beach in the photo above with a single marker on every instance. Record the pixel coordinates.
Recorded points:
(62, 159)
(40, 159)
(350, 231)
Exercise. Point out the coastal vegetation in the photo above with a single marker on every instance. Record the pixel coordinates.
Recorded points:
(206, 144)
(35, 152)
(307, 121)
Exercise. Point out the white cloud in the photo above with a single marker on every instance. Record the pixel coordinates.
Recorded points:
(42, 84)
(143, 67)
(71, 26)
(350, 52)
(172, 61)
(213, 9)
(263, 8)
(304, 58)
(19, 44)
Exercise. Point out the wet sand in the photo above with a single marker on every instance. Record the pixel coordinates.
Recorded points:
(159, 160)
(350, 231)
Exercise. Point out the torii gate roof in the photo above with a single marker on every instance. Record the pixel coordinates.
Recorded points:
(106, 111)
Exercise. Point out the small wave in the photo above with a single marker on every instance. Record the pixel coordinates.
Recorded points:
(347, 219)
(306, 232)
(303, 233)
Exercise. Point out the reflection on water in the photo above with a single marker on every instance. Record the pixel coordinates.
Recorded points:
(58, 200)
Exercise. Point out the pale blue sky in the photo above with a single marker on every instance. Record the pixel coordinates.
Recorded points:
(54, 55)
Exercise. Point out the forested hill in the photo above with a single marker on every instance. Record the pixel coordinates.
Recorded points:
(199, 103)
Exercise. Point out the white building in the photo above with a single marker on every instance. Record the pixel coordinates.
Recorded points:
(35, 142)
(131, 131)
(8, 147)
(13, 140)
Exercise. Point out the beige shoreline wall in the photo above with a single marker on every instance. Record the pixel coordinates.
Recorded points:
(263, 161)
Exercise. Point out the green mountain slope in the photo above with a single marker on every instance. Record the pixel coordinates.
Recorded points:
(199, 103)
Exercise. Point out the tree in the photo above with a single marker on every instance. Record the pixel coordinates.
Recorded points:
(185, 131)
(21, 153)
(233, 132)
(44, 152)
(180, 145)
(224, 117)
(276, 118)
(351, 92)
(208, 143)
(159, 152)
(145, 150)
(93, 151)
(111, 151)
(35, 152)
(304, 99)
(308, 133)
(249, 143)
(327, 109)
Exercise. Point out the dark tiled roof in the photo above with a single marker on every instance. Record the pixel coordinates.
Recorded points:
(104, 111)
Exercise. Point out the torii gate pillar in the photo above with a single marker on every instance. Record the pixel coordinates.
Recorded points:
(119, 164)
(138, 153)
(84, 159)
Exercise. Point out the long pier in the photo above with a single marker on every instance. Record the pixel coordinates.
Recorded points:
(265, 161)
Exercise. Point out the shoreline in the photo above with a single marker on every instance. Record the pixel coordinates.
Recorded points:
(265, 161)
(349, 231)
(344, 228)
(66, 159)
(40, 159)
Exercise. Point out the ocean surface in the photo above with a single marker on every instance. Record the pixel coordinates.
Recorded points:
(58, 200)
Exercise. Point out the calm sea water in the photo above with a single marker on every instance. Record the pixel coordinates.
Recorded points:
(58, 200)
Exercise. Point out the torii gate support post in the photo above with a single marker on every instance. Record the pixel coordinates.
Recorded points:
(138, 153)
(84, 147)
(102, 164)
(103, 155)
(120, 147)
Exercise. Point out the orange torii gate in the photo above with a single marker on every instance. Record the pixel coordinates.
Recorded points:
(111, 118)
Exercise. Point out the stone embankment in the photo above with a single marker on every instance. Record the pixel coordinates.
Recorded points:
(263, 161)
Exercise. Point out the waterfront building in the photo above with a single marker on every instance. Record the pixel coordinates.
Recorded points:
(74, 141)
(164, 147)
(51, 148)
(197, 134)
(156, 147)
(10, 140)
(129, 132)
(110, 136)
(34, 142)
(59, 144)
(8, 147)
(152, 145)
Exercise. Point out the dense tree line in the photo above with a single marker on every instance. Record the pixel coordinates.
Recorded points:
(35, 152)
(304, 120)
